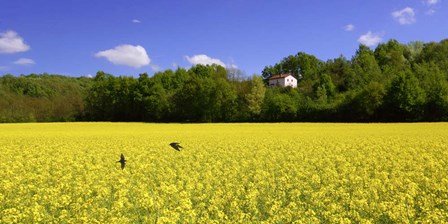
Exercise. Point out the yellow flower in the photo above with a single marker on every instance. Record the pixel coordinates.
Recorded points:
(227, 173)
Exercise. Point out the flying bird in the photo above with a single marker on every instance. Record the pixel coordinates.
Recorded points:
(122, 161)
(176, 146)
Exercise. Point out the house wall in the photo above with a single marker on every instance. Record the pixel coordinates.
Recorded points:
(292, 81)
(287, 81)
(277, 82)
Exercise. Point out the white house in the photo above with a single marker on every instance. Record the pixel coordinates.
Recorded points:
(283, 80)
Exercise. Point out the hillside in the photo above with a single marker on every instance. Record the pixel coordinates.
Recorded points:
(393, 82)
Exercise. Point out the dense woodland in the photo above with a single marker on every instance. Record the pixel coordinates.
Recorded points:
(393, 82)
(42, 98)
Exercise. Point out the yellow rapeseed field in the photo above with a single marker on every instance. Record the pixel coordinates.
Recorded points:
(226, 173)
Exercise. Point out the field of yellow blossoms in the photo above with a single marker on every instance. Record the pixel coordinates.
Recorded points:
(226, 173)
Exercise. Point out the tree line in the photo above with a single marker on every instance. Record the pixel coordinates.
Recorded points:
(393, 82)
(42, 98)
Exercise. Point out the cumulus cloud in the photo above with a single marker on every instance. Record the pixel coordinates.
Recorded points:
(11, 42)
(370, 39)
(349, 27)
(25, 61)
(204, 60)
(129, 55)
(405, 16)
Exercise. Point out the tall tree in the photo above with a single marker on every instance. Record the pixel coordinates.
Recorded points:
(414, 49)
(308, 66)
(391, 55)
(224, 98)
(437, 53)
(156, 103)
(433, 82)
(365, 68)
(405, 98)
(340, 72)
(99, 103)
(324, 88)
(256, 96)
(371, 99)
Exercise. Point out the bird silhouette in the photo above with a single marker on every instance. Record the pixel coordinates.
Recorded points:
(122, 161)
(176, 146)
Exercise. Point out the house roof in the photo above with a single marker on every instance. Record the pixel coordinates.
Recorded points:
(280, 76)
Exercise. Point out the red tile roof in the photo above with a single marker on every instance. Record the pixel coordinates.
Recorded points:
(279, 76)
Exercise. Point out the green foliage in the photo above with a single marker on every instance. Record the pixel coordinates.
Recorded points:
(372, 97)
(434, 84)
(324, 88)
(365, 67)
(42, 98)
(341, 73)
(301, 65)
(413, 50)
(156, 103)
(405, 97)
(200, 94)
(393, 82)
(256, 96)
(391, 54)
(280, 105)
(436, 53)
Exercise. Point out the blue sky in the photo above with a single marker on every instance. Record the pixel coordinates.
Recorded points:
(126, 37)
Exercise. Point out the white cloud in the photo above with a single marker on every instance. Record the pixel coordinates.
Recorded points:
(25, 61)
(136, 21)
(204, 60)
(232, 66)
(156, 68)
(11, 42)
(349, 27)
(130, 55)
(431, 5)
(370, 39)
(405, 16)
(431, 2)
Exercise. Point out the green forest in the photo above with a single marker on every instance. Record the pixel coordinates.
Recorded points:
(392, 83)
